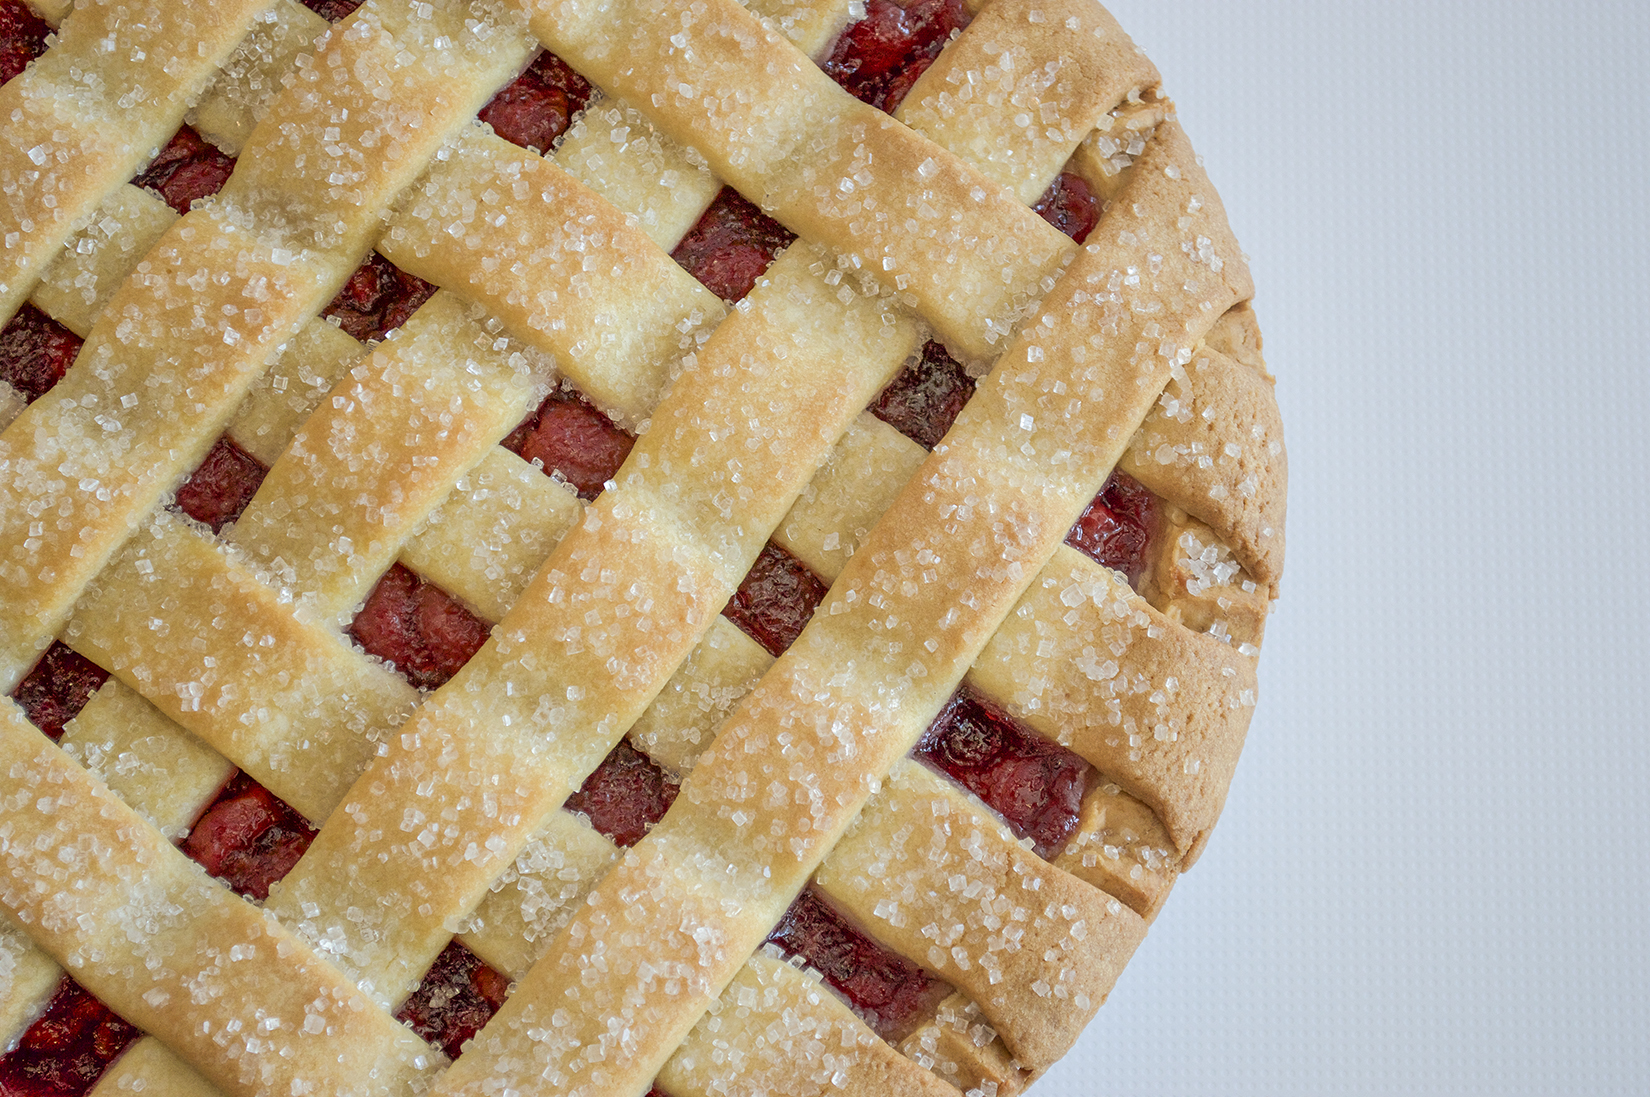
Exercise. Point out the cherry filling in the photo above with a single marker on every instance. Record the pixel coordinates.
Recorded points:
(1070, 206)
(730, 247)
(890, 992)
(626, 795)
(568, 436)
(459, 995)
(775, 602)
(332, 10)
(926, 398)
(248, 837)
(1037, 786)
(879, 58)
(67, 1049)
(22, 37)
(378, 298)
(221, 487)
(1116, 529)
(35, 352)
(418, 628)
(539, 106)
(58, 687)
(186, 169)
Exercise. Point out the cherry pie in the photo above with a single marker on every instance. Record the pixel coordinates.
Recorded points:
(569, 547)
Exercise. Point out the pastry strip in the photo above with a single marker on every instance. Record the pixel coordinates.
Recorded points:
(175, 952)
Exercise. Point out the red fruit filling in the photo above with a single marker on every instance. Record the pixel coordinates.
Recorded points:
(458, 996)
(248, 838)
(626, 795)
(58, 687)
(539, 106)
(1037, 786)
(378, 298)
(218, 490)
(22, 38)
(186, 169)
(66, 1051)
(1070, 206)
(890, 992)
(35, 352)
(1116, 529)
(731, 246)
(925, 399)
(568, 436)
(879, 58)
(418, 628)
(332, 10)
(776, 600)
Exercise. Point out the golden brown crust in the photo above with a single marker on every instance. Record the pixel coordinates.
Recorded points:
(613, 632)
(1019, 923)
(175, 952)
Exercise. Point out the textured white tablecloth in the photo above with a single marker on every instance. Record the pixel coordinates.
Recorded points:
(1431, 876)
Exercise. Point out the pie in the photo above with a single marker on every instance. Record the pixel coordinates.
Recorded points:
(571, 547)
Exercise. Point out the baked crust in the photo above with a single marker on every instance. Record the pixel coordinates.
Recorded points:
(442, 812)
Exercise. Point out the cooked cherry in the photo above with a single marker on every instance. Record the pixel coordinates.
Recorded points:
(418, 628)
(378, 298)
(22, 37)
(67, 1049)
(458, 996)
(879, 58)
(925, 399)
(568, 436)
(221, 487)
(332, 10)
(776, 600)
(890, 992)
(1116, 529)
(626, 795)
(539, 105)
(1034, 784)
(248, 838)
(186, 169)
(35, 352)
(1070, 206)
(731, 246)
(58, 687)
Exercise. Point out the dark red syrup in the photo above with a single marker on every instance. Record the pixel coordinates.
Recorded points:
(879, 58)
(332, 10)
(22, 37)
(1070, 206)
(67, 1049)
(58, 687)
(186, 169)
(378, 298)
(777, 599)
(925, 399)
(224, 483)
(536, 109)
(1116, 529)
(731, 246)
(890, 992)
(626, 795)
(458, 996)
(418, 628)
(566, 435)
(35, 352)
(248, 838)
(1037, 786)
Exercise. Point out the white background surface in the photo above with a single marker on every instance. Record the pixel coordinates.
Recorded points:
(1431, 876)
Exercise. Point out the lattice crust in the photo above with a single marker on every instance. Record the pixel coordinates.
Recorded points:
(442, 811)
